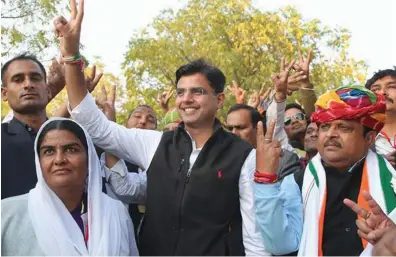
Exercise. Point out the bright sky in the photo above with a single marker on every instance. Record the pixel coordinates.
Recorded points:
(109, 24)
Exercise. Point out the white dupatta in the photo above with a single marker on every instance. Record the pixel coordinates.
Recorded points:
(110, 229)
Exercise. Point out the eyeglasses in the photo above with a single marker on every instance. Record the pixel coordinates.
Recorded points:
(297, 116)
(194, 91)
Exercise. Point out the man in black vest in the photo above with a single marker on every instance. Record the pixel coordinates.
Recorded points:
(199, 178)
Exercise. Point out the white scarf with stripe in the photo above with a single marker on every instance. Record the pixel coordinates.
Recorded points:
(313, 196)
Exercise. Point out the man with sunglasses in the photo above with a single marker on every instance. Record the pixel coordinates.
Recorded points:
(296, 126)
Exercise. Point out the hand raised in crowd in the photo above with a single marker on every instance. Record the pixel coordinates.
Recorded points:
(300, 79)
(268, 151)
(257, 97)
(164, 98)
(106, 102)
(56, 78)
(69, 31)
(238, 92)
(92, 81)
(374, 222)
(280, 81)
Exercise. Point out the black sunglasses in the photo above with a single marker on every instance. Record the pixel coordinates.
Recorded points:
(297, 116)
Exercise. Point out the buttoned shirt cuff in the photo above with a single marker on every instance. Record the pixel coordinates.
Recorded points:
(120, 168)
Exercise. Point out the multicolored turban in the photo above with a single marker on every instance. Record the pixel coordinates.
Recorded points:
(170, 117)
(351, 103)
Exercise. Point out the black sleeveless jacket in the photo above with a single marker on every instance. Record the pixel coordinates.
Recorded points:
(194, 211)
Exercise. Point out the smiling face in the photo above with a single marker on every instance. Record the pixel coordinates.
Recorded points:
(196, 101)
(63, 160)
(295, 123)
(24, 87)
(142, 118)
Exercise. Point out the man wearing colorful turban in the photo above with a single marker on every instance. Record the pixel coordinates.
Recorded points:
(351, 103)
(349, 119)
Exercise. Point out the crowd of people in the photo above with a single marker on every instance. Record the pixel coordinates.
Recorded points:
(274, 179)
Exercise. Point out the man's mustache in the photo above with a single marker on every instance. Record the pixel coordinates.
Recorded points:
(332, 143)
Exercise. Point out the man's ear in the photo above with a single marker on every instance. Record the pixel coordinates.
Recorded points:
(4, 93)
(370, 138)
(220, 100)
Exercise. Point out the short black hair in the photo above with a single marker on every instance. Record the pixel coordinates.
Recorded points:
(213, 74)
(23, 56)
(255, 116)
(68, 125)
(294, 106)
(379, 75)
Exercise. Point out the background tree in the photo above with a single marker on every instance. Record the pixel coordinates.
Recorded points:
(244, 42)
(25, 25)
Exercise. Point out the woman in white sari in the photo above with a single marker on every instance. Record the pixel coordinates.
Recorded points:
(66, 213)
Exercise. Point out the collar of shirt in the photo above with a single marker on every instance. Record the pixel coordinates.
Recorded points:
(27, 127)
(384, 144)
(355, 166)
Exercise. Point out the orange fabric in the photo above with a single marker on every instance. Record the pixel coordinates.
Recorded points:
(321, 223)
(364, 186)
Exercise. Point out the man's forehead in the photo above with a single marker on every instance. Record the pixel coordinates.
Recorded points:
(312, 125)
(349, 122)
(239, 117)
(24, 67)
(144, 109)
(292, 111)
(193, 80)
(385, 80)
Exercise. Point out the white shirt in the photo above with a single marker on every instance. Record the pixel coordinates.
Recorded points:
(139, 146)
(8, 117)
(383, 144)
(276, 110)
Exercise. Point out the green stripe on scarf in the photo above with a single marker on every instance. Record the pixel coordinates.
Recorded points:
(314, 173)
(386, 177)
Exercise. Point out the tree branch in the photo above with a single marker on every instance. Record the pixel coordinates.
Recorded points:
(16, 17)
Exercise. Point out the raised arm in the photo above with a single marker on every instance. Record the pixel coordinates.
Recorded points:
(133, 145)
(301, 81)
(276, 109)
(278, 203)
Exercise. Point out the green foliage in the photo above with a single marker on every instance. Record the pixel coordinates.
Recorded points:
(244, 42)
(27, 26)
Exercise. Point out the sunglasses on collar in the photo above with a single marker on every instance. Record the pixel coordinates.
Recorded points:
(297, 116)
